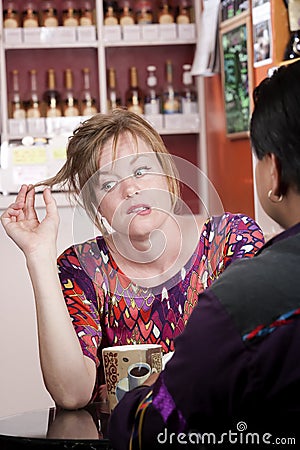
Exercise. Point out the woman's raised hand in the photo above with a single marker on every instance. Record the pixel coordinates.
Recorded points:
(22, 225)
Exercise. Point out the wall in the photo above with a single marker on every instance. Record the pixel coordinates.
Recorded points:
(230, 165)
(229, 161)
(21, 383)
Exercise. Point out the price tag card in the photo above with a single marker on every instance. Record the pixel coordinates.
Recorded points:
(59, 153)
(29, 155)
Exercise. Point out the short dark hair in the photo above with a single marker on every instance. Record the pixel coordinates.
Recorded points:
(275, 122)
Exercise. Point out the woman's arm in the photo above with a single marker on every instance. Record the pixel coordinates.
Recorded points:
(69, 376)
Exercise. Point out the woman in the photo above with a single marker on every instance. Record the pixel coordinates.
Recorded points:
(235, 373)
(139, 281)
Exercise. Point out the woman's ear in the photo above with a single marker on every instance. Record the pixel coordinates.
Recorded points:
(275, 174)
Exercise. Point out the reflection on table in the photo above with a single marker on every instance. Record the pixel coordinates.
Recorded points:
(57, 428)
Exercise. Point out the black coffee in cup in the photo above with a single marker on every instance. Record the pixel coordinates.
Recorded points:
(139, 371)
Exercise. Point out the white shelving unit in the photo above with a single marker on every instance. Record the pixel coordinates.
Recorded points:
(102, 47)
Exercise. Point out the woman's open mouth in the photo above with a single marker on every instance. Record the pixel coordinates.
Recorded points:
(139, 209)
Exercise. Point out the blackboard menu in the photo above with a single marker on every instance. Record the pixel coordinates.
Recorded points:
(236, 79)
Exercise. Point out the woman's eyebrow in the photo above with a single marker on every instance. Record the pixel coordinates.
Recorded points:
(140, 156)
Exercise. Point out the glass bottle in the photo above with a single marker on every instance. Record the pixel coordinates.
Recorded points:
(126, 13)
(11, 16)
(189, 104)
(230, 9)
(165, 14)
(183, 12)
(16, 106)
(51, 97)
(143, 11)
(30, 18)
(110, 13)
(152, 100)
(86, 14)
(237, 7)
(69, 102)
(134, 95)
(171, 99)
(113, 97)
(48, 14)
(87, 102)
(70, 15)
(292, 50)
(33, 109)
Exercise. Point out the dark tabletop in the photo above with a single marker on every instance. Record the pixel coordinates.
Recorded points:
(55, 428)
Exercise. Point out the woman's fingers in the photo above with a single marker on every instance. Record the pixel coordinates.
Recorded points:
(9, 215)
(50, 203)
(29, 204)
(15, 210)
(21, 197)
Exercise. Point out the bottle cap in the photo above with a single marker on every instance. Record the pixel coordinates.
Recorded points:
(47, 4)
(187, 74)
(30, 5)
(151, 80)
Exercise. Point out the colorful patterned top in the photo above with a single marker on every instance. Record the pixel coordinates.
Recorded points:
(107, 308)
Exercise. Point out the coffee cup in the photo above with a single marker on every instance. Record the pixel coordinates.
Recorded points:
(118, 359)
(137, 374)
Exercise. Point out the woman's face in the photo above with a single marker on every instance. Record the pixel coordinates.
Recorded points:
(132, 190)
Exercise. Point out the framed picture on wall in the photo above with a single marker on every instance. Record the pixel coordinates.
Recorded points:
(237, 75)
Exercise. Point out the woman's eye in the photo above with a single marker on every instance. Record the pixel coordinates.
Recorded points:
(108, 185)
(141, 171)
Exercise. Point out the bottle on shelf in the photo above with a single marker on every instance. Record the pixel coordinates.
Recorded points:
(70, 15)
(48, 14)
(86, 14)
(30, 17)
(230, 9)
(16, 106)
(134, 95)
(11, 15)
(51, 97)
(143, 11)
(189, 103)
(152, 99)
(69, 102)
(113, 97)
(292, 50)
(171, 99)
(87, 102)
(183, 12)
(238, 7)
(33, 106)
(126, 13)
(165, 14)
(110, 12)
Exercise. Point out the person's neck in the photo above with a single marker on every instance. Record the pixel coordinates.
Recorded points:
(158, 257)
(150, 248)
(289, 213)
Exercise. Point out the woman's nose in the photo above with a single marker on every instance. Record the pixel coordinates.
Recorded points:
(129, 187)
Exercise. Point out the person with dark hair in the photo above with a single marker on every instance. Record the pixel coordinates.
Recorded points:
(236, 366)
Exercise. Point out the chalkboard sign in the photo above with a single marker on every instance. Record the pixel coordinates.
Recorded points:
(236, 59)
